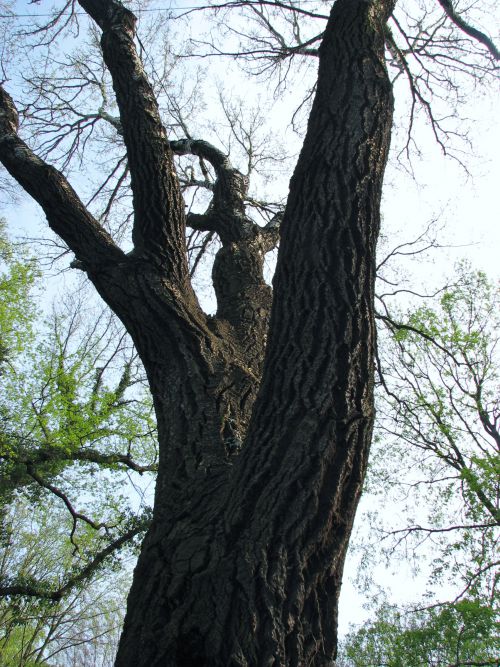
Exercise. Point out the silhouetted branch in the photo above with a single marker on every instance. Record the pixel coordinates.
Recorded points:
(447, 5)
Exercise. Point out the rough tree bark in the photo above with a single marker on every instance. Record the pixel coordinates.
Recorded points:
(264, 415)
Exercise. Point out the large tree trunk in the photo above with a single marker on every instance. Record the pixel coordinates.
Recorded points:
(243, 563)
(263, 447)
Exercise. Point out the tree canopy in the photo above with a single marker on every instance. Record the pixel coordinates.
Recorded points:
(462, 634)
(436, 459)
(66, 534)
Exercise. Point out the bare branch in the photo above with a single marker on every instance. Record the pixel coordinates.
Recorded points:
(447, 5)
(447, 529)
(75, 515)
(52, 28)
(289, 7)
(408, 327)
(66, 214)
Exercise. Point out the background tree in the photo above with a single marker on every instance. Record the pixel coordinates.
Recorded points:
(72, 405)
(437, 458)
(80, 628)
(441, 375)
(16, 307)
(261, 459)
(458, 635)
(75, 427)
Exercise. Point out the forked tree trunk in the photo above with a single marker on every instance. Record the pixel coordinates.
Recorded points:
(243, 563)
(262, 458)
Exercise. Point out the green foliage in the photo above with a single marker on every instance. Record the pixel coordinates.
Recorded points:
(436, 453)
(77, 455)
(76, 402)
(18, 273)
(459, 634)
(435, 467)
(33, 631)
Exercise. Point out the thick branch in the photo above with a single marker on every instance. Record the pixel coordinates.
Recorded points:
(159, 225)
(47, 455)
(93, 456)
(66, 214)
(219, 161)
(468, 29)
(271, 232)
(229, 191)
(202, 222)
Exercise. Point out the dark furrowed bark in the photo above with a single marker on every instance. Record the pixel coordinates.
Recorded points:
(159, 223)
(250, 576)
(301, 477)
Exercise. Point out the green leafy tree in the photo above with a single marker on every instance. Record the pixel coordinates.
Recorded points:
(84, 623)
(439, 416)
(465, 633)
(76, 428)
(18, 273)
(437, 458)
(77, 422)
